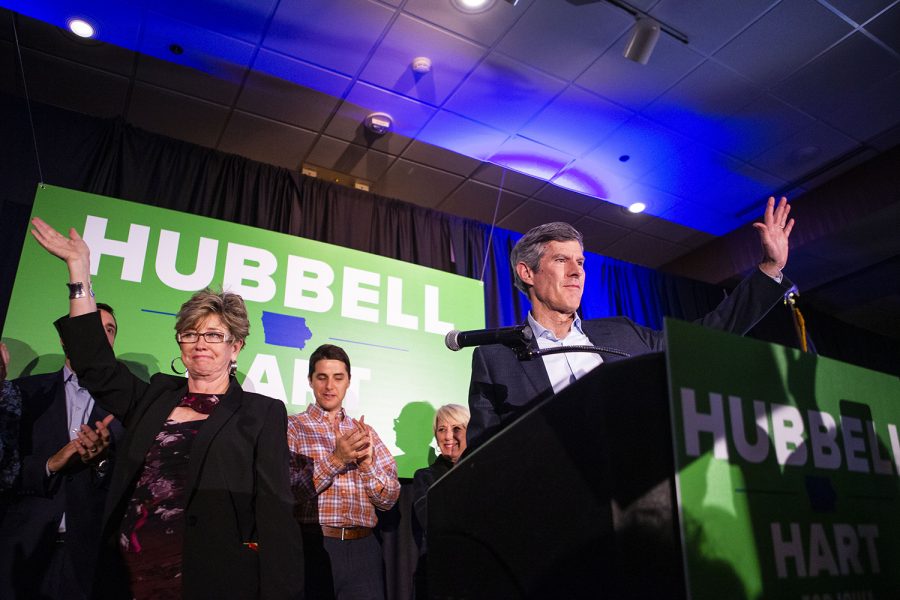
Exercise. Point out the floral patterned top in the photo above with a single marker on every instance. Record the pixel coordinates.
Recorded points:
(10, 414)
(152, 531)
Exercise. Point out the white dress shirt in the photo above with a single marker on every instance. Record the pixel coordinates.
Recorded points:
(564, 368)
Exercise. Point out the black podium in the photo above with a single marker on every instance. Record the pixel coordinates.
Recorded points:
(575, 499)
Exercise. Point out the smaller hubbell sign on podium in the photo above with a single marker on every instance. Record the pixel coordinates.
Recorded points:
(786, 470)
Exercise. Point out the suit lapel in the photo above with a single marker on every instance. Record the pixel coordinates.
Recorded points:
(535, 370)
(208, 431)
(601, 334)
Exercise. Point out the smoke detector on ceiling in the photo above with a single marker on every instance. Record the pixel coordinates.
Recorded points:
(421, 64)
(379, 123)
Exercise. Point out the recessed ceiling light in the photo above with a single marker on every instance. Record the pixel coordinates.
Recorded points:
(472, 6)
(637, 207)
(81, 27)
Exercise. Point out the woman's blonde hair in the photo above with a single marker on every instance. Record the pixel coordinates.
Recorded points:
(452, 413)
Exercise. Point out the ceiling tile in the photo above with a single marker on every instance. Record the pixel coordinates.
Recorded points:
(186, 80)
(533, 213)
(709, 93)
(212, 53)
(598, 235)
(740, 196)
(243, 19)
(590, 177)
(507, 179)
(87, 90)
(886, 140)
(576, 121)
(634, 149)
(567, 199)
(709, 23)
(64, 44)
(116, 23)
(408, 118)
(675, 233)
(416, 183)
(783, 40)
(691, 172)
(503, 93)
(462, 135)
(854, 66)
(176, 115)
(642, 249)
(756, 127)
(337, 34)
(804, 151)
(349, 159)
(876, 112)
(484, 27)
(531, 158)
(618, 215)
(633, 85)
(434, 156)
(656, 201)
(478, 201)
(452, 58)
(564, 38)
(886, 27)
(266, 141)
(302, 73)
(702, 218)
(279, 99)
(859, 11)
(855, 159)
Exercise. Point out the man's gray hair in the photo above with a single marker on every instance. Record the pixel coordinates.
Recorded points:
(530, 247)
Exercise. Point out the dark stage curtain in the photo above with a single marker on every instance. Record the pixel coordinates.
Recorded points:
(111, 158)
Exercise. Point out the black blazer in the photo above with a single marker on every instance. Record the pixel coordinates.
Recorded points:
(33, 508)
(503, 387)
(238, 483)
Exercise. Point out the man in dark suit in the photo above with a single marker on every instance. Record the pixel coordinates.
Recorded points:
(548, 262)
(50, 519)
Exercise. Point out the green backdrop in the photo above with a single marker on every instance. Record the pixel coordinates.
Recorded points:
(389, 315)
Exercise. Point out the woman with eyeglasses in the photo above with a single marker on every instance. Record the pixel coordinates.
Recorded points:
(200, 504)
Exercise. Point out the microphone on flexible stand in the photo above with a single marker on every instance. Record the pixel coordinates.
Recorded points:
(508, 336)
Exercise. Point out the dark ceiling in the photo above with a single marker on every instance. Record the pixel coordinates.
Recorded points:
(530, 110)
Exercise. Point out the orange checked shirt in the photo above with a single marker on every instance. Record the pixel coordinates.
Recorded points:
(327, 494)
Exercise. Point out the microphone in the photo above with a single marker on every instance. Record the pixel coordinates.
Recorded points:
(508, 336)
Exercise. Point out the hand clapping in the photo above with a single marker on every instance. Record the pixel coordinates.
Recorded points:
(353, 446)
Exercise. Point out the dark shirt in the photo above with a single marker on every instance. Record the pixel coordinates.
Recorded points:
(422, 480)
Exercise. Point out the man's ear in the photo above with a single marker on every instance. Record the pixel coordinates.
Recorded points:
(525, 273)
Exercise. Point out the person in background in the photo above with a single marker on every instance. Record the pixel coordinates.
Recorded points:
(51, 516)
(200, 502)
(341, 472)
(450, 423)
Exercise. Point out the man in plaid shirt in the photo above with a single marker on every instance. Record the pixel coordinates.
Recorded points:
(341, 472)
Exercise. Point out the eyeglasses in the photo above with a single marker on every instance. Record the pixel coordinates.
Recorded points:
(211, 337)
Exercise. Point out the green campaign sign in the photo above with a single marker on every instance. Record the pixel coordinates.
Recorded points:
(390, 316)
(786, 470)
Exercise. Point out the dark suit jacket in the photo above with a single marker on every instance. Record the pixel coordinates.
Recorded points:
(503, 387)
(34, 507)
(238, 484)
